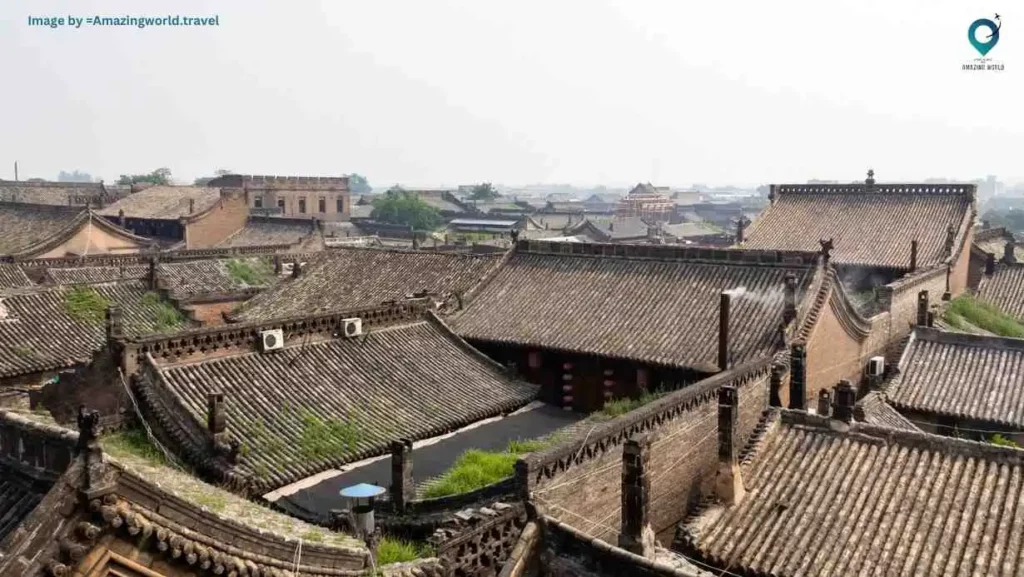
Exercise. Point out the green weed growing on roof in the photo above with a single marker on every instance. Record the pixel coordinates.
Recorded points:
(620, 407)
(85, 305)
(391, 550)
(133, 442)
(324, 438)
(166, 316)
(252, 273)
(1002, 441)
(984, 316)
(476, 469)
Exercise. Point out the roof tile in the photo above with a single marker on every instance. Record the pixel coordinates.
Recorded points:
(870, 227)
(660, 308)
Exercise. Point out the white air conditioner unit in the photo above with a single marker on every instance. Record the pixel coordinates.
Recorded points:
(351, 327)
(271, 340)
(876, 366)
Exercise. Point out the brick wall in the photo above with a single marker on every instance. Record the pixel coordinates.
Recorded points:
(579, 482)
(209, 228)
(210, 314)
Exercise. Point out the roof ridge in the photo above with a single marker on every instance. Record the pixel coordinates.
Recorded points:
(935, 335)
(909, 188)
(865, 432)
(669, 252)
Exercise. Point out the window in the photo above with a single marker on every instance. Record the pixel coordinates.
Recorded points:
(341, 206)
(257, 202)
(322, 206)
(302, 206)
(280, 204)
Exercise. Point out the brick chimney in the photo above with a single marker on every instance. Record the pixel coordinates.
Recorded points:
(635, 533)
(990, 264)
(216, 419)
(403, 489)
(775, 387)
(191, 205)
(1009, 256)
(114, 323)
(824, 403)
(741, 225)
(913, 255)
(152, 277)
(798, 377)
(789, 298)
(846, 398)
(725, 301)
(728, 480)
(922, 308)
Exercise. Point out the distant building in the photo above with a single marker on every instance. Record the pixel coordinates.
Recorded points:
(326, 198)
(648, 202)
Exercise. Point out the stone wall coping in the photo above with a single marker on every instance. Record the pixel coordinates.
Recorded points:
(643, 418)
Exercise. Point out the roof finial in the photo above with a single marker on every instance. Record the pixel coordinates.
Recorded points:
(871, 178)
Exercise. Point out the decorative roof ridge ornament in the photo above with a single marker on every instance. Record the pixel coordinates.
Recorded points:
(870, 181)
(826, 248)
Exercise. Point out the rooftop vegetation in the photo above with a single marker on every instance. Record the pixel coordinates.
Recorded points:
(392, 550)
(166, 316)
(135, 443)
(85, 305)
(476, 469)
(252, 272)
(966, 310)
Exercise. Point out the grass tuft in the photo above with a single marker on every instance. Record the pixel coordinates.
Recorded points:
(166, 316)
(476, 469)
(984, 316)
(133, 442)
(85, 305)
(255, 273)
(1002, 441)
(620, 407)
(391, 550)
(325, 438)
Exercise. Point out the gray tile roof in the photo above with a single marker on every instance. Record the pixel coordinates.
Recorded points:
(164, 202)
(25, 225)
(874, 409)
(960, 375)
(310, 407)
(263, 231)
(11, 276)
(657, 304)
(350, 277)
(869, 227)
(55, 193)
(41, 328)
(17, 500)
(189, 279)
(95, 274)
(1005, 289)
(871, 502)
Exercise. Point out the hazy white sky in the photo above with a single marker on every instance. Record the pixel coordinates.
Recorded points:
(442, 92)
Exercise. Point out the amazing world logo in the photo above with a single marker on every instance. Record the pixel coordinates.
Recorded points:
(988, 38)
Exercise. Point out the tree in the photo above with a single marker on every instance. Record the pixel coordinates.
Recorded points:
(407, 209)
(158, 176)
(358, 184)
(75, 176)
(203, 180)
(484, 191)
